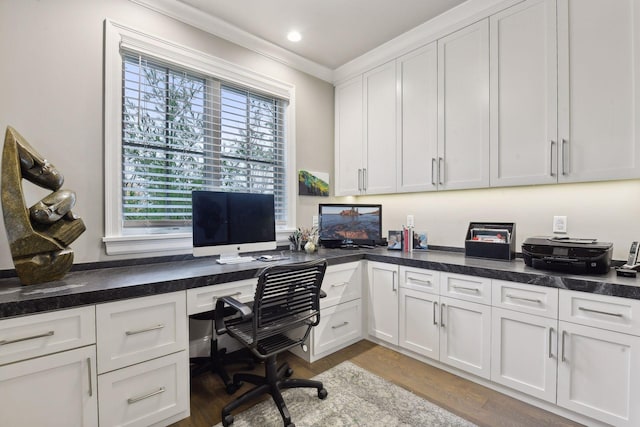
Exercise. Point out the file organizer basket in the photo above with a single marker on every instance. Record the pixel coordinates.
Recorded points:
(493, 240)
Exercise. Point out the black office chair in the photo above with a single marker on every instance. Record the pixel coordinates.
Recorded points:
(286, 306)
(218, 358)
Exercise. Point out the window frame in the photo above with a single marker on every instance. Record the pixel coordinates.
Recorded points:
(119, 240)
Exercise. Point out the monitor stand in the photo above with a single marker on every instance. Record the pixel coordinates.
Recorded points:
(233, 258)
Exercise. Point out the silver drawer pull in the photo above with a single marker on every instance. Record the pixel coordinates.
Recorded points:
(145, 396)
(536, 300)
(340, 325)
(464, 288)
(90, 375)
(420, 282)
(140, 331)
(590, 310)
(237, 294)
(337, 285)
(32, 337)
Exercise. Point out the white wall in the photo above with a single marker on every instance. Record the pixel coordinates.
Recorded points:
(51, 76)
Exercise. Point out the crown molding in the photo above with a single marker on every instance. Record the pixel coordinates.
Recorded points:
(189, 15)
(452, 20)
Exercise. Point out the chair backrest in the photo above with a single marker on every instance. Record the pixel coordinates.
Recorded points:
(287, 297)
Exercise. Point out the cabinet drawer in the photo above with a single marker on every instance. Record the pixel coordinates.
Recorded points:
(601, 311)
(32, 336)
(531, 299)
(144, 394)
(469, 288)
(339, 325)
(204, 299)
(136, 330)
(420, 280)
(341, 283)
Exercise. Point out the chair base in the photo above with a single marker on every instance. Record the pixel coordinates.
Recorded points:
(275, 380)
(216, 362)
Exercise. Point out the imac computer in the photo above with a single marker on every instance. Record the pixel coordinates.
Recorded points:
(228, 224)
(349, 225)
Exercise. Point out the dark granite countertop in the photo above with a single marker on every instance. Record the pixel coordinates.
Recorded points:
(109, 284)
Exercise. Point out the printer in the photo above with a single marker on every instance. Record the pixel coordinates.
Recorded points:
(577, 256)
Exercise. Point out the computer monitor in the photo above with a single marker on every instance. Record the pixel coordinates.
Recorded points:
(228, 224)
(349, 224)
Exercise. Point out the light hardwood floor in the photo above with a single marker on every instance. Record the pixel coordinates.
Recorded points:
(471, 401)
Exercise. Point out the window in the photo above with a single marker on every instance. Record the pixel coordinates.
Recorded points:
(186, 121)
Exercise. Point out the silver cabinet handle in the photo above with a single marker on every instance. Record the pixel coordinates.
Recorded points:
(365, 178)
(550, 342)
(132, 400)
(433, 169)
(564, 334)
(435, 308)
(393, 282)
(441, 316)
(340, 325)
(233, 295)
(359, 179)
(606, 313)
(90, 380)
(31, 337)
(564, 156)
(420, 282)
(553, 143)
(536, 300)
(140, 331)
(337, 285)
(440, 170)
(464, 288)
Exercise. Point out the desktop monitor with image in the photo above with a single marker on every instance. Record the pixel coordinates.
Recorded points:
(349, 224)
(228, 224)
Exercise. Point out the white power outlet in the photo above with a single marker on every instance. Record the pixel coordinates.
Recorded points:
(559, 224)
(315, 221)
(409, 220)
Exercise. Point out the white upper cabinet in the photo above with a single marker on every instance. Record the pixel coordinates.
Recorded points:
(380, 94)
(463, 108)
(524, 94)
(598, 89)
(418, 120)
(349, 154)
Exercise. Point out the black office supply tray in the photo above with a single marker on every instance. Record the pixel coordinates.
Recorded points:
(482, 240)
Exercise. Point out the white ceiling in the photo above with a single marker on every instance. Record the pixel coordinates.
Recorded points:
(333, 31)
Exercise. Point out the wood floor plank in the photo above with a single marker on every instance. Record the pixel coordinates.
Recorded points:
(471, 401)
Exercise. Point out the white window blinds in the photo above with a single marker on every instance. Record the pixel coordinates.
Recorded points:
(183, 131)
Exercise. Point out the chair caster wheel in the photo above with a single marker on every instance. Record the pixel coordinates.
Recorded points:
(227, 421)
(291, 425)
(233, 387)
(288, 372)
(322, 393)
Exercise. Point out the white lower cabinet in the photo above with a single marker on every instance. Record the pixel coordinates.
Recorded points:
(340, 313)
(382, 281)
(419, 324)
(599, 367)
(59, 390)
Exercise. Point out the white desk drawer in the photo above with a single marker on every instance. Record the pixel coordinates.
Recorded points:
(601, 311)
(537, 300)
(341, 283)
(135, 330)
(145, 394)
(420, 280)
(468, 288)
(339, 324)
(204, 299)
(39, 334)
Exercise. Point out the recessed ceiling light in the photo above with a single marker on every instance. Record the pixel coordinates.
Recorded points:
(294, 36)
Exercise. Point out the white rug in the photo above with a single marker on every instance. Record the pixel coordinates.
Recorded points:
(356, 398)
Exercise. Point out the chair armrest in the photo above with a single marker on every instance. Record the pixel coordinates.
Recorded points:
(241, 308)
(323, 294)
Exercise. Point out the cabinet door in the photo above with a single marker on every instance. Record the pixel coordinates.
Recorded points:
(465, 336)
(383, 301)
(524, 352)
(524, 94)
(418, 139)
(463, 108)
(59, 390)
(598, 374)
(599, 90)
(380, 131)
(419, 327)
(349, 138)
